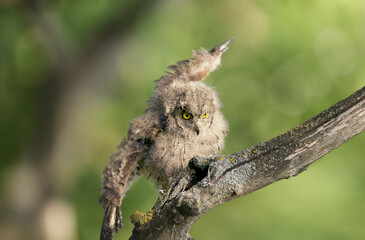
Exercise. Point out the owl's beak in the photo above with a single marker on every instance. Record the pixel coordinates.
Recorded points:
(197, 130)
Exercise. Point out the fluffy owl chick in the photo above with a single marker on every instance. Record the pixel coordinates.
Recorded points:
(183, 120)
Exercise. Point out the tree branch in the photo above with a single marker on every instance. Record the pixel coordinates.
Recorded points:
(209, 182)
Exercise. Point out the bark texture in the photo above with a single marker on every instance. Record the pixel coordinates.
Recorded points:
(208, 182)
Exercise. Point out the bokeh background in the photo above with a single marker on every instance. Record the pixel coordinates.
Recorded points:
(74, 73)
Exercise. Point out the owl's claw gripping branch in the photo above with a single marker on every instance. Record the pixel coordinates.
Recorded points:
(183, 120)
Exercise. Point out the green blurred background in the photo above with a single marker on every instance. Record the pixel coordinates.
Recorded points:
(74, 73)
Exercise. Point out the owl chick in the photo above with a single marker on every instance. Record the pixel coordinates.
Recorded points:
(182, 120)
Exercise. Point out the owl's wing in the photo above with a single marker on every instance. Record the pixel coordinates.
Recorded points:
(196, 68)
(122, 169)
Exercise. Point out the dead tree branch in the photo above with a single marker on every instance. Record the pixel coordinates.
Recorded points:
(209, 182)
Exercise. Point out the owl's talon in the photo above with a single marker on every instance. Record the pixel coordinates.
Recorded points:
(208, 176)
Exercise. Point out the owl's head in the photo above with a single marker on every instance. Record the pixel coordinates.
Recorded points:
(189, 107)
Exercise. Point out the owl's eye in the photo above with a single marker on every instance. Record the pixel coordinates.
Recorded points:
(186, 115)
(205, 115)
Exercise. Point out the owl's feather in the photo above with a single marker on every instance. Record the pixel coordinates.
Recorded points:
(161, 142)
(123, 169)
(197, 68)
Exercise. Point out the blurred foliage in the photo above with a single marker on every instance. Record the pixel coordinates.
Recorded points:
(290, 60)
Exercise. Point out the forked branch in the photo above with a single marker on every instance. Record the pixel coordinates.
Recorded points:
(209, 182)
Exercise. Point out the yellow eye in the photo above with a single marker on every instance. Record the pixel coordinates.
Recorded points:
(205, 115)
(186, 115)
